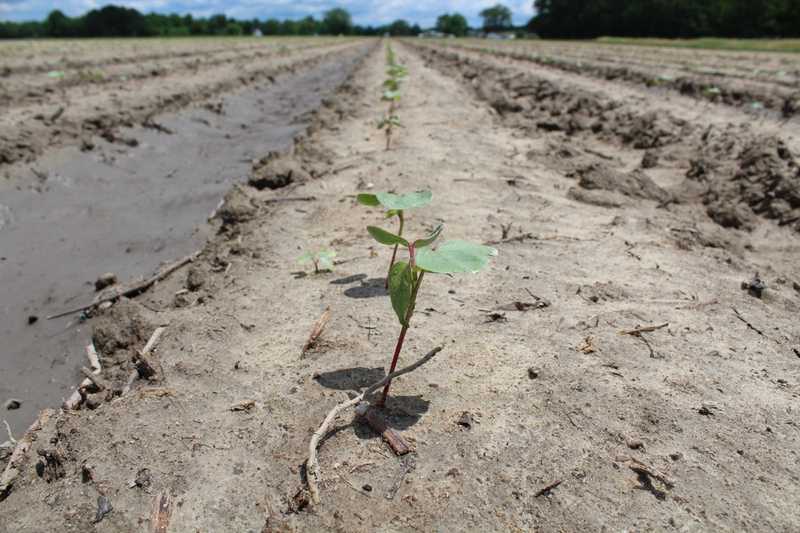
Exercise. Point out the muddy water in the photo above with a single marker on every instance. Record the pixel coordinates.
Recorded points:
(125, 210)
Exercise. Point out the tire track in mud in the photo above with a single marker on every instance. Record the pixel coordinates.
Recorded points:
(736, 173)
(124, 209)
(72, 121)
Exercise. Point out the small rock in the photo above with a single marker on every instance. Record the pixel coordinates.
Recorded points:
(32, 319)
(103, 508)
(676, 456)
(367, 488)
(634, 443)
(533, 373)
(796, 286)
(12, 404)
(706, 410)
(465, 420)
(106, 280)
(754, 287)
(650, 159)
(195, 278)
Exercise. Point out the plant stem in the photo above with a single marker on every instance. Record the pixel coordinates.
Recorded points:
(399, 346)
(394, 253)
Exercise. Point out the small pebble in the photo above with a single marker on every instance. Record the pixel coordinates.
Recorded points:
(106, 280)
(32, 319)
(367, 488)
(533, 373)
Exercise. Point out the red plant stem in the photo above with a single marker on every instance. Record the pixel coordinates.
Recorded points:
(394, 253)
(397, 348)
(401, 338)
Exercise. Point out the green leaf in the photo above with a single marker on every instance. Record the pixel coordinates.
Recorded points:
(404, 201)
(401, 285)
(390, 96)
(368, 199)
(305, 258)
(421, 243)
(325, 259)
(384, 237)
(455, 256)
(391, 84)
(393, 213)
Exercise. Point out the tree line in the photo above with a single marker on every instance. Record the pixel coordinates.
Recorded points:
(115, 21)
(666, 18)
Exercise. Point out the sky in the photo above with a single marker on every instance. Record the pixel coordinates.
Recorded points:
(364, 12)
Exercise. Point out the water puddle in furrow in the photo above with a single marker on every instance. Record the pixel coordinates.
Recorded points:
(125, 210)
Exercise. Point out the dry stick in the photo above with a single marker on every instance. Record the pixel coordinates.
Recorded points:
(20, 453)
(143, 358)
(75, 399)
(643, 329)
(290, 199)
(161, 512)
(317, 330)
(96, 380)
(749, 325)
(313, 474)
(132, 289)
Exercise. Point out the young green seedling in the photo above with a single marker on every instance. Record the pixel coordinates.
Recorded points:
(396, 204)
(322, 260)
(388, 124)
(405, 277)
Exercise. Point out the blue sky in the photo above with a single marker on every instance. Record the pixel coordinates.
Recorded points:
(363, 11)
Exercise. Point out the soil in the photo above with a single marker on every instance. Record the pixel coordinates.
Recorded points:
(125, 209)
(607, 372)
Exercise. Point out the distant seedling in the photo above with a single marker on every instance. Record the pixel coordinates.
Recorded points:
(396, 204)
(388, 124)
(405, 277)
(322, 260)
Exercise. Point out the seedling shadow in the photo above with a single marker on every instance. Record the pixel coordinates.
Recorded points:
(369, 288)
(356, 378)
(401, 412)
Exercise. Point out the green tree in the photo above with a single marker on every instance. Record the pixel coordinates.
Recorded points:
(496, 18)
(337, 21)
(452, 24)
(399, 28)
(58, 24)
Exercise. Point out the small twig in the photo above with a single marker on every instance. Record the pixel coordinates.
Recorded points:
(643, 329)
(20, 454)
(547, 488)
(290, 199)
(313, 474)
(641, 468)
(76, 398)
(133, 289)
(11, 438)
(161, 513)
(517, 238)
(317, 330)
(95, 379)
(749, 325)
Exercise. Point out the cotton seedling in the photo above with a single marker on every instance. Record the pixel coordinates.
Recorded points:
(396, 205)
(405, 277)
(322, 260)
(388, 124)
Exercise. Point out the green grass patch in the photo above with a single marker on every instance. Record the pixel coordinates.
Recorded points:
(711, 43)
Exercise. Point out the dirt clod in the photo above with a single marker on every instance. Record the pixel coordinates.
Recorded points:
(106, 280)
(755, 287)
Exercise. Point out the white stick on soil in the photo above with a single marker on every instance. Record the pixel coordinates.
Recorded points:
(313, 474)
(74, 401)
(20, 453)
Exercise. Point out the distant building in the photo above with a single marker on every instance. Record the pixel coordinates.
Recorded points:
(257, 33)
(506, 36)
(432, 34)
